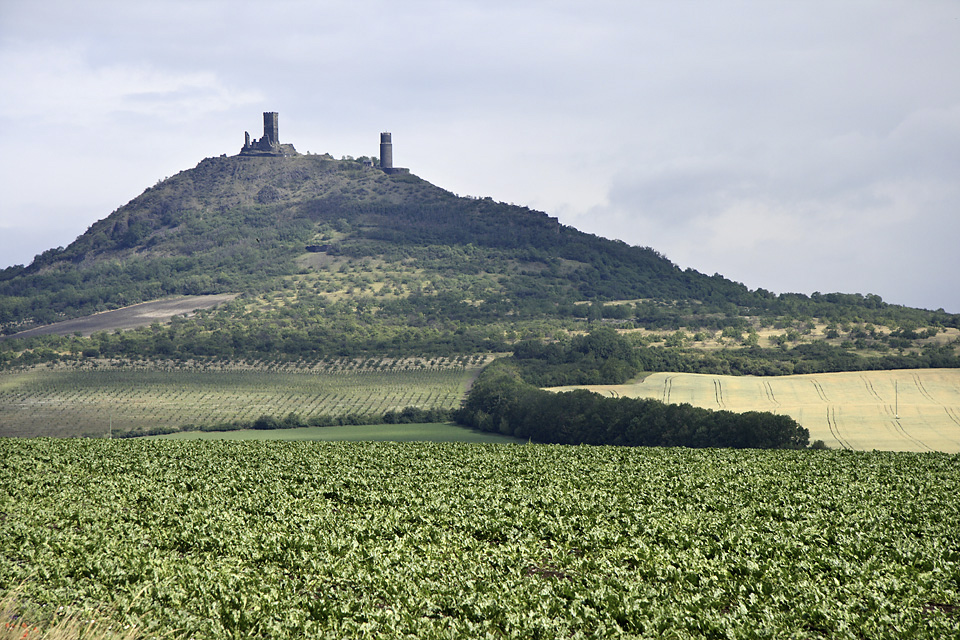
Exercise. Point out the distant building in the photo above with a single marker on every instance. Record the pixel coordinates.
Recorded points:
(269, 144)
(386, 154)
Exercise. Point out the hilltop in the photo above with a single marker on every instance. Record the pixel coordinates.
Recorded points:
(339, 257)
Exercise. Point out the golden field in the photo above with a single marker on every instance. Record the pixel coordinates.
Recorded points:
(904, 410)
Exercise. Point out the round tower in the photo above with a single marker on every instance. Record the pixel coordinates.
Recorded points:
(386, 151)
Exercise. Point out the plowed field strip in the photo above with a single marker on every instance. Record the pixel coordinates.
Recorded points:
(138, 315)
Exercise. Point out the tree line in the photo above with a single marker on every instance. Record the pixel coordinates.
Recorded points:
(501, 401)
(293, 420)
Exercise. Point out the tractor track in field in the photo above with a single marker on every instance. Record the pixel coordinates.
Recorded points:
(923, 390)
(667, 388)
(718, 392)
(835, 428)
(953, 414)
(903, 432)
(819, 389)
(954, 417)
(870, 389)
(768, 390)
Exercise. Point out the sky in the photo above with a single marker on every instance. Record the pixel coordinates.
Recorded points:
(792, 146)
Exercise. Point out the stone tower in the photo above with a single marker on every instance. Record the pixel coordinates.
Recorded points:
(386, 155)
(269, 144)
(386, 151)
(271, 128)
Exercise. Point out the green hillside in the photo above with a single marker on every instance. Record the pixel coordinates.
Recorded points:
(336, 258)
(240, 223)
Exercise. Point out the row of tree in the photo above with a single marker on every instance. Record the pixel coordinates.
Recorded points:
(407, 415)
(605, 357)
(501, 401)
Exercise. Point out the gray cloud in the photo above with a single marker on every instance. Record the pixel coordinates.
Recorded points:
(791, 146)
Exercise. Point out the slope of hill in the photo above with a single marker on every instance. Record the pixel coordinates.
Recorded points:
(235, 224)
(335, 257)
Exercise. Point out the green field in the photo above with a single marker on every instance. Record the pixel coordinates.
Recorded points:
(424, 540)
(907, 410)
(70, 401)
(433, 432)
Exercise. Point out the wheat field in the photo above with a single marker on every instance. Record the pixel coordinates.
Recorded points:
(904, 410)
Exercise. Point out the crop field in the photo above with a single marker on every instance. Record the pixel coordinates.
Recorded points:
(65, 401)
(138, 315)
(227, 539)
(907, 410)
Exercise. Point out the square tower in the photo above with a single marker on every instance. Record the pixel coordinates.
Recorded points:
(271, 128)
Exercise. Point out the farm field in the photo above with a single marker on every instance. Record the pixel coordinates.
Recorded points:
(330, 540)
(907, 410)
(137, 315)
(430, 432)
(69, 401)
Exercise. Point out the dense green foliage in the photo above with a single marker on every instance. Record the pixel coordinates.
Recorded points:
(380, 432)
(603, 356)
(500, 401)
(295, 540)
(267, 422)
(812, 357)
(600, 357)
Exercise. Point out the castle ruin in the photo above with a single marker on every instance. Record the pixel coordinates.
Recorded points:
(269, 144)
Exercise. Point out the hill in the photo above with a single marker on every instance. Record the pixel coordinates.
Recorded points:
(335, 257)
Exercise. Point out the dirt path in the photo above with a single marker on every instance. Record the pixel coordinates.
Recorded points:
(138, 315)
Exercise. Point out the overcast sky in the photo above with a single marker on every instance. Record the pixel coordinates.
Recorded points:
(795, 146)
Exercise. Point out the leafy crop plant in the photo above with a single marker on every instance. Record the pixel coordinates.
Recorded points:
(333, 540)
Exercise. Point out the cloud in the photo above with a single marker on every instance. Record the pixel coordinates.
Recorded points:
(792, 146)
(881, 231)
(40, 80)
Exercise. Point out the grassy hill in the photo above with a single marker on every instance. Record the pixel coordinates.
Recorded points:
(333, 258)
(243, 224)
